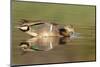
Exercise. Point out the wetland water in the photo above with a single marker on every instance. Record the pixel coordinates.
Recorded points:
(80, 47)
(77, 48)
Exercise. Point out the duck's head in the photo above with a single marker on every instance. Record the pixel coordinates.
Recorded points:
(24, 28)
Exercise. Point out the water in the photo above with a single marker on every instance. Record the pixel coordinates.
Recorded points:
(79, 47)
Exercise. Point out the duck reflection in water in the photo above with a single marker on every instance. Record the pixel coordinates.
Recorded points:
(42, 44)
(45, 35)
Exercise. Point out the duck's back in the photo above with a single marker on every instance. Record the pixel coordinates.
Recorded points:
(45, 30)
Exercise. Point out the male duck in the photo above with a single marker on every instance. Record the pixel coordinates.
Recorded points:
(43, 28)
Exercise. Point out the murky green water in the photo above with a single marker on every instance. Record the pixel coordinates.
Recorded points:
(55, 50)
(81, 48)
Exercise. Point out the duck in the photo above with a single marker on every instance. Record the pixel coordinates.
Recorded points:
(42, 44)
(39, 28)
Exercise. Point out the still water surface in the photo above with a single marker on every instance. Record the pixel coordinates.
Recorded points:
(80, 47)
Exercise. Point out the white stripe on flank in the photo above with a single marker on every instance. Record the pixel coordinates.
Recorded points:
(51, 45)
(51, 28)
